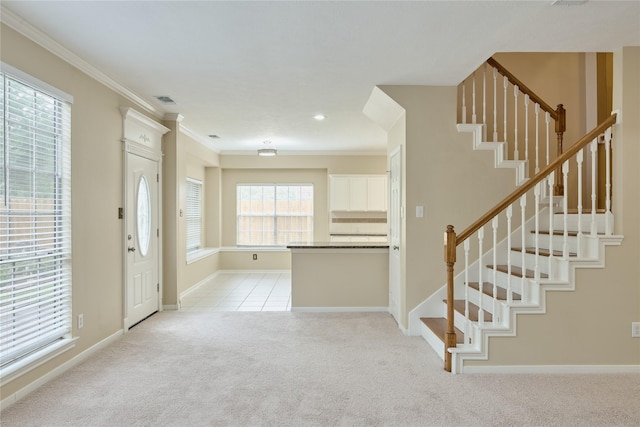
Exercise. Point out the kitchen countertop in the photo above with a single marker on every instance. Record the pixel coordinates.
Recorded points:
(358, 234)
(339, 245)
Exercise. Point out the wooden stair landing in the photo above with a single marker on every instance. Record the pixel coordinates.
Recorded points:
(487, 289)
(517, 271)
(543, 252)
(438, 326)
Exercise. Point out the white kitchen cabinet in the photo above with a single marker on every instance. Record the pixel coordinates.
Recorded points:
(358, 193)
(377, 193)
(339, 193)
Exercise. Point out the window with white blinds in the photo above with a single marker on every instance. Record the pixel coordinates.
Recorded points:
(194, 215)
(35, 220)
(274, 214)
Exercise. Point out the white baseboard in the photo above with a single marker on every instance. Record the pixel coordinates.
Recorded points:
(13, 398)
(252, 271)
(197, 285)
(553, 369)
(338, 309)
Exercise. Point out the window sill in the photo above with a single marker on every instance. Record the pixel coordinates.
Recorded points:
(26, 364)
(200, 254)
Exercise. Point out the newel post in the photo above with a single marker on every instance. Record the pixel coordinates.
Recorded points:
(450, 260)
(561, 127)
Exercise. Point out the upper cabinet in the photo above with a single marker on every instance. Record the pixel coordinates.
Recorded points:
(353, 193)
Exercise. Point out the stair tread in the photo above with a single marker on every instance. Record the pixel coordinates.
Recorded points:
(517, 271)
(487, 289)
(438, 326)
(458, 305)
(543, 252)
(569, 233)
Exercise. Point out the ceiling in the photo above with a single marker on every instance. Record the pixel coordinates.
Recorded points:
(255, 71)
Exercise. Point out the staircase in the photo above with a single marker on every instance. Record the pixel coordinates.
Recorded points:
(479, 315)
(529, 244)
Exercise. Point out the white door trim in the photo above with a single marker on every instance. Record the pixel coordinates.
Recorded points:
(141, 136)
(395, 242)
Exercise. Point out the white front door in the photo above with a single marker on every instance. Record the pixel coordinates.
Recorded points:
(395, 226)
(142, 240)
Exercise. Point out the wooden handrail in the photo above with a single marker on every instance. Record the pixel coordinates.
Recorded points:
(557, 163)
(451, 240)
(516, 82)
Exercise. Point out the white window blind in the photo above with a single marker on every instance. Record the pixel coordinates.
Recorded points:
(274, 214)
(35, 220)
(194, 215)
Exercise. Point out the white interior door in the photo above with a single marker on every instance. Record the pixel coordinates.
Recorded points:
(395, 224)
(142, 241)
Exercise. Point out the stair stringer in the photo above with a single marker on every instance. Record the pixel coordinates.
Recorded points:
(431, 307)
(477, 130)
(481, 352)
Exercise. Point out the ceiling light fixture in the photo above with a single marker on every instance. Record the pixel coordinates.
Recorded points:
(319, 117)
(266, 151)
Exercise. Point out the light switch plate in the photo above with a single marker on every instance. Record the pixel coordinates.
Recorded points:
(419, 211)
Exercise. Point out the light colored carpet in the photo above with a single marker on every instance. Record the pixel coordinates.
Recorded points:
(306, 369)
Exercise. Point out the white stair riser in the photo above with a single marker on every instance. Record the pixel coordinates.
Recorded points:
(572, 222)
(558, 242)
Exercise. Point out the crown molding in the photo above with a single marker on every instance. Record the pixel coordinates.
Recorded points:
(173, 117)
(17, 23)
(198, 138)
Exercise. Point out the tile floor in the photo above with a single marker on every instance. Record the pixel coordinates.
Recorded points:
(242, 291)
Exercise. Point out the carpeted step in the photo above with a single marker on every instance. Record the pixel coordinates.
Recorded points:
(438, 326)
(487, 289)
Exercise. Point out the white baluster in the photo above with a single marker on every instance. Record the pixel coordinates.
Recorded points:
(495, 105)
(509, 214)
(579, 159)
(505, 84)
(523, 206)
(548, 120)
(484, 101)
(565, 208)
(551, 183)
(536, 205)
(526, 127)
(473, 98)
(494, 225)
(537, 111)
(464, 102)
(594, 156)
(480, 279)
(516, 154)
(467, 327)
(608, 216)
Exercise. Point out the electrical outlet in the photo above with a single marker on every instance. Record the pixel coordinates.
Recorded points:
(635, 329)
(80, 321)
(255, 257)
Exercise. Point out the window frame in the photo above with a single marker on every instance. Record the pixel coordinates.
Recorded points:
(194, 217)
(274, 242)
(20, 350)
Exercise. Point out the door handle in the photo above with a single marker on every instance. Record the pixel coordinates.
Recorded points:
(396, 248)
(132, 249)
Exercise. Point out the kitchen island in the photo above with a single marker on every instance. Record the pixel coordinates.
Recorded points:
(339, 276)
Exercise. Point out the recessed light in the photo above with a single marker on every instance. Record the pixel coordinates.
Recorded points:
(319, 117)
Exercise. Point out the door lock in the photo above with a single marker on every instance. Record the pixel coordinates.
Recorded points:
(132, 249)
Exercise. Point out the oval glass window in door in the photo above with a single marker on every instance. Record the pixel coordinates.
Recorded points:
(143, 215)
